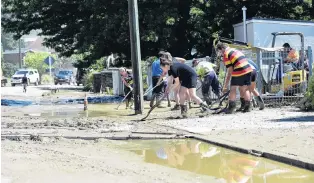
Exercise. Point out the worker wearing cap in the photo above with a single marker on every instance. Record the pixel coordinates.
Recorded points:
(205, 71)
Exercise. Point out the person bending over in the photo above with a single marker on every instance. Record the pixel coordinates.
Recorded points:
(187, 76)
(207, 74)
(127, 80)
(239, 72)
(178, 85)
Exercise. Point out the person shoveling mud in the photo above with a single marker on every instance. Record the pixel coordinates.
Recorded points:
(127, 80)
(181, 73)
(239, 72)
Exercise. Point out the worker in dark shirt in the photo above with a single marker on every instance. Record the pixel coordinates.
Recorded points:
(24, 82)
(178, 86)
(127, 79)
(184, 74)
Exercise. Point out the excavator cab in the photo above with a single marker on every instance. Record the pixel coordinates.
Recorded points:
(294, 74)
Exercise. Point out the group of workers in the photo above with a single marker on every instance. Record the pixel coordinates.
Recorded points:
(172, 74)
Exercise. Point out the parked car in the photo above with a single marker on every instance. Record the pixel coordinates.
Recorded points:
(64, 76)
(31, 74)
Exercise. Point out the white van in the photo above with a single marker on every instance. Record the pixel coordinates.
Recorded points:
(31, 74)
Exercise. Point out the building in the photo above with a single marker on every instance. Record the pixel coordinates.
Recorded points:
(259, 32)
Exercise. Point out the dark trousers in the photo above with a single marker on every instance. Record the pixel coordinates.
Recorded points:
(159, 90)
(210, 80)
(126, 91)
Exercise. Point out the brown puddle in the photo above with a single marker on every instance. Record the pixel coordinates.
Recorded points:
(223, 164)
(94, 110)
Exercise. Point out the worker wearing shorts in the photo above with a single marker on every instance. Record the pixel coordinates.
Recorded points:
(239, 72)
(252, 87)
(165, 85)
(188, 78)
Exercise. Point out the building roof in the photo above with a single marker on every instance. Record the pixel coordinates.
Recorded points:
(33, 44)
(15, 51)
(276, 21)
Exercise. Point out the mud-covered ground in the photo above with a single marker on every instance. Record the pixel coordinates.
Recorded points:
(283, 131)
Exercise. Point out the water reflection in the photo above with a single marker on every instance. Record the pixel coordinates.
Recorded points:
(227, 166)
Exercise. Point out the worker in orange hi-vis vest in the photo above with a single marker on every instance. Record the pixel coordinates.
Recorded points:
(292, 54)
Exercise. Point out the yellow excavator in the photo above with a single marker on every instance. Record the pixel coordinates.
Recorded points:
(294, 75)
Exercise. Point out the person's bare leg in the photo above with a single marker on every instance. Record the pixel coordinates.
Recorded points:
(259, 99)
(183, 97)
(242, 101)
(232, 100)
(253, 90)
(233, 93)
(177, 95)
(189, 99)
(247, 98)
(168, 99)
(176, 98)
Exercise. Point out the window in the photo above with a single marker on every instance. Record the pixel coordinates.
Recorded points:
(21, 72)
(31, 73)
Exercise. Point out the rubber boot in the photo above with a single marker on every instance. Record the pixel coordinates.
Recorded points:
(260, 102)
(204, 107)
(184, 111)
(190, 105)
(207, 100)
(231, 107)
(176, 107)
(247, 106)
(242, 105)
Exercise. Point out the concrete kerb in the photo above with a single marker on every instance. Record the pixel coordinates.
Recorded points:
(154, 136)
(267, 155)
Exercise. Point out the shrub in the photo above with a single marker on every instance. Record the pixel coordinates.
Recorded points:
(46, 79)
(88, 81)
(8, 69)
(307, 103)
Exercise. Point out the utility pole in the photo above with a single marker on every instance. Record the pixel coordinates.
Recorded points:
(244, 24)
(20, 55)
(136, 57)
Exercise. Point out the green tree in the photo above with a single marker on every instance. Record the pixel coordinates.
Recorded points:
(98, 28)
(36, 61)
